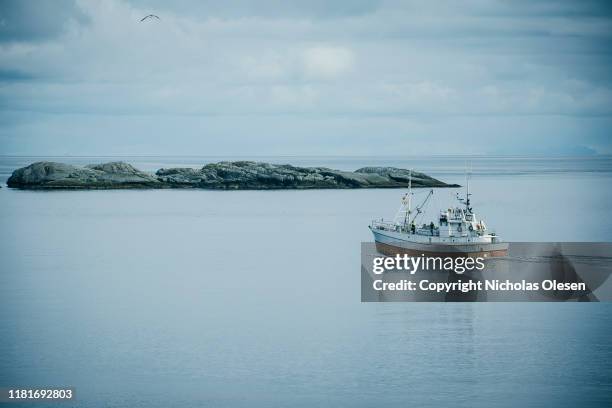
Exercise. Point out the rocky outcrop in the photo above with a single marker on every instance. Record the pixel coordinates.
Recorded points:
(262, 176)
(49, 175)
(238, 175)
(403, 176)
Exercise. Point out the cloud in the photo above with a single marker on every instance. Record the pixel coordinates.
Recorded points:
(44, 20)
(313, 9)
(327, 62)
(358, 73)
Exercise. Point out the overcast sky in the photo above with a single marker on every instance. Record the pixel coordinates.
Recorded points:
(352, 77)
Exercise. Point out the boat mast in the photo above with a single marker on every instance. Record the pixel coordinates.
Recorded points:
(409, 192)
(407, 213)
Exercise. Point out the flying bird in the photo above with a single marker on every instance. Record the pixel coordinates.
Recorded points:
(149, 16)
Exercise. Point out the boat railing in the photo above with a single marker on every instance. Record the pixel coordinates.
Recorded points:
(386, 226)
(389, 226)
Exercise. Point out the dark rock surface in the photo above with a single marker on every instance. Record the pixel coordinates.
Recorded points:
(403, 176)
(51, 175)
(238, 175)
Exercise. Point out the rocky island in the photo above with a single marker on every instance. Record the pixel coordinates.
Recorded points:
(225, 175)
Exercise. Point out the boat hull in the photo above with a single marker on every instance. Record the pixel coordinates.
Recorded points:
(390, 244)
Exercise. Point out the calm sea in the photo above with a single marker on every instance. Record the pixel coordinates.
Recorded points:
(252, 298)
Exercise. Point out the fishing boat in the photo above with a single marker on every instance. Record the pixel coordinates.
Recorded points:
(457, 232)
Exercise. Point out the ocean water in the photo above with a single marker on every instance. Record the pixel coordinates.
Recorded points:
(252, 298)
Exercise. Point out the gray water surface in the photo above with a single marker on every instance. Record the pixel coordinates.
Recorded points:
(251, 298)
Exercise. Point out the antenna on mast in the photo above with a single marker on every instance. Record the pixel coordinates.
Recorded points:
(467, 188)
(466, 200)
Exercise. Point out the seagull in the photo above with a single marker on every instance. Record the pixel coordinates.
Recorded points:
(149, 16)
